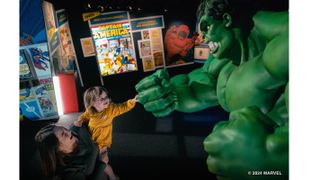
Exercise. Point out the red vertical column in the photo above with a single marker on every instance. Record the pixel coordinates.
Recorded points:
(68, 91)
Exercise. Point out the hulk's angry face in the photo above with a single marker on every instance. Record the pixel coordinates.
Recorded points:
(217, 34)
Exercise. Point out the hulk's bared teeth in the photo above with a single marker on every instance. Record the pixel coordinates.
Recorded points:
(213, 46)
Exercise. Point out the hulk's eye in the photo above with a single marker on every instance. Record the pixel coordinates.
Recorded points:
(204, 27)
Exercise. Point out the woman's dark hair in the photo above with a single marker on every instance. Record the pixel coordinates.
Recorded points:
(47, 144)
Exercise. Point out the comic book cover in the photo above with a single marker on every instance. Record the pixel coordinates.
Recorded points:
(48, 85)
(144, 48)
(148, 64)
(24, 69)
(179, 43)
(40, 58)
(46, 104)
(68, 55)
(55, 56)
(114, 47)
(26, 94)
(48, 13)
(30, 109)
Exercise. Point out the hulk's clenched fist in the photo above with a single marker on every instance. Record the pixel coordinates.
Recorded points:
(248, 143)
(156, 94)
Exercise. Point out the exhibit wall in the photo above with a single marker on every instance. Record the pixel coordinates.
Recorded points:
(148, 45)
(37, 96)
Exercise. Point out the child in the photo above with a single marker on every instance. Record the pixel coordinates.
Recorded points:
(100, 113)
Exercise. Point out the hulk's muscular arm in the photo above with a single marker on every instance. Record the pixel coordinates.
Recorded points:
(197, 90)
(274, 28)
(186, 92)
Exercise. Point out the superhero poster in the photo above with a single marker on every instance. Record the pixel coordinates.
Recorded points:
(31, 13)
(179, 43)
(114, 48)
(29, 106)
(39, 56)
(24, 69)
(57, 61)
(30, 109)
(48, 14)
(47, 105)
(26, 94)
(67, 55)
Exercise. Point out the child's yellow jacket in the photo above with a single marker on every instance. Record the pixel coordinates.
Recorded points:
(100, 124)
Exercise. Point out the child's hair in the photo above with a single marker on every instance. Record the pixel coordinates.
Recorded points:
(90, 95)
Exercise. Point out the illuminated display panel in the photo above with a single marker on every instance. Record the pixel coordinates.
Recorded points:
(114, 48)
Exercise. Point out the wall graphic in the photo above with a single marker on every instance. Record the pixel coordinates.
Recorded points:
(37, 97)
(87, 47)
(24, 69)
(30, 109)
(179, 45)
(39, 56)
(61, 47)
(48, 14)
(201, 49)
(45, 101)
(201, 52)
(144, 48)
(148, 63)
(151, 42)
(113, 43)
(31, 13)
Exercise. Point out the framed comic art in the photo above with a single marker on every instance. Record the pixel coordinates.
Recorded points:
(144, 48)
(201, 52)
(113, 43)
(25, 71)
(151, 41)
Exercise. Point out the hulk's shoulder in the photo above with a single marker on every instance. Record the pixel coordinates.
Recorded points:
(271, 24)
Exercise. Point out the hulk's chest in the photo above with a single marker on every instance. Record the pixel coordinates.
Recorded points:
(246, 85)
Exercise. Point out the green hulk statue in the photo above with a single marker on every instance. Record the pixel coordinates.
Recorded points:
(247, 74)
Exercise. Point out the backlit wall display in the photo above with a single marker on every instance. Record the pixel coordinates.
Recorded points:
(113, 43)
(67, 55)
(150, 45)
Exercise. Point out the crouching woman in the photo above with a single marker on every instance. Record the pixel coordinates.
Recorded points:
(69, 154)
